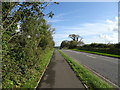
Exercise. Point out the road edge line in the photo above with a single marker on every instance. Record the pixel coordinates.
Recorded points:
(99, 75)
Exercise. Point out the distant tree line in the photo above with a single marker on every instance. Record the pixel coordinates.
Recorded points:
(96, 47)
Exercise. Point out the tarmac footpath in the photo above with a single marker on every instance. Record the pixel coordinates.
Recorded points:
(59, 75)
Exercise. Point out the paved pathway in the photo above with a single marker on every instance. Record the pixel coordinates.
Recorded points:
(59, 75)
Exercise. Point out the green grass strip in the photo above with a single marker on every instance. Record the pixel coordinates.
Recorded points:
(32, 82)
(105, 54)
(87, 77)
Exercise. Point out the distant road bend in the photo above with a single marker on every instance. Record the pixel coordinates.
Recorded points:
(103, 65)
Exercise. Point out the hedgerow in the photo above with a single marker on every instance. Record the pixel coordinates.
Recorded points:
(27, 49)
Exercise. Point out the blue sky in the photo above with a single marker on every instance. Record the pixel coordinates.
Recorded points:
(96, 22)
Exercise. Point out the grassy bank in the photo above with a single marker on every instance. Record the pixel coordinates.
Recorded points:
(32, 82)
(104, 54)
(87, 77)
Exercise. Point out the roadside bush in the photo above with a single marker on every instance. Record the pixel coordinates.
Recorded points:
(102, 48)
(27, 50)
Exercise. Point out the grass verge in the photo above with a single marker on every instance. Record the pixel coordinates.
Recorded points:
(33, 81)
(104, 54)
(87, 77)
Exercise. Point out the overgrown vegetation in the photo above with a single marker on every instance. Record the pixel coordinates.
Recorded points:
(27, 43)
(87, 77)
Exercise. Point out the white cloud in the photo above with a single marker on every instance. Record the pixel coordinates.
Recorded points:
(110, 38)
(60, 36)
(64, 14)
(113, 25)
(102, 32)
(109, 21)
(59, 17)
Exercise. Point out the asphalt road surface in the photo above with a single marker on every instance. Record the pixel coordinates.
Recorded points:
(105, 66)
(59, 75)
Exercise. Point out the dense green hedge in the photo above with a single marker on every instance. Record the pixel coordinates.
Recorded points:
(102, 48)
(25, 73)
(114, 51)
(25, 52)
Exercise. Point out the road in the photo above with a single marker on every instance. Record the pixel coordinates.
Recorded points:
(59, 75)
(103, 65)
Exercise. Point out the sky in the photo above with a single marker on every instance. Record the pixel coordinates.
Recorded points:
(95, 22)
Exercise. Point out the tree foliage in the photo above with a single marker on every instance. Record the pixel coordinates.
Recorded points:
(75, 37)
(23, 50)
(73, 43)
(65, 44)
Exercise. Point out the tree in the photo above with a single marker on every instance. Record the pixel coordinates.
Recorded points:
(65, 44)
(75, 37)
(23, 51)
(73, 44)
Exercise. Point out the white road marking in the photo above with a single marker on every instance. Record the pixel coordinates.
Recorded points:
(93, 56)
(101, 76)
(78, 52)
(90, 56)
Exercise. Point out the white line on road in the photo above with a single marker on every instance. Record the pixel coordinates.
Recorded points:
(90, 56)
(115, 85)
(98, 56)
